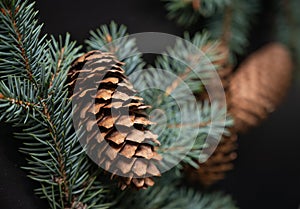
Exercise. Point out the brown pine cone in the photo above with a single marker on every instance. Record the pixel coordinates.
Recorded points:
(254, 91)
(217, 165)
(259, 85)
(114, 119)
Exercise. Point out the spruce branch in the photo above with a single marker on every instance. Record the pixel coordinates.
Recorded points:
(291, 20)
(52, 157)
(56, 159)
(190, 70)
(232, 24)
(162, 100)
(188, 12)
(34, 97)
(20, 43)
(227, 20)
(226, 32)
(168, 194)
(15, 97)
(115, 39)
(287, 26)
(191, 58)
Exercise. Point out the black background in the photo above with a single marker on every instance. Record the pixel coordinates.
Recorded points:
(267, 172)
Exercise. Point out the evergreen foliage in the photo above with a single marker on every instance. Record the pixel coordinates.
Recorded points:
(185, 141)
(21, 43)
(184, 59)
(227, 20)
(187, 12)
(288, 24)
(34, 96)
(232, 25)
(169, 194)
(115, 39)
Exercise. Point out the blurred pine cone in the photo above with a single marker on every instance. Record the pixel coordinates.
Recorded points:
(254, 91)
(259, 85)
(220, 162)
(106, 103)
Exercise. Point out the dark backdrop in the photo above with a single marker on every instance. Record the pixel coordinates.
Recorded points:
(267, 172)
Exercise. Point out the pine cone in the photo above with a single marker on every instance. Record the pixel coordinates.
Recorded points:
(217, 165)
(254, 91)
(259, 85)
(125, 146)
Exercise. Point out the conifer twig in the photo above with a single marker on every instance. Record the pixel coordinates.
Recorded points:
(20, 41)
(293, 35)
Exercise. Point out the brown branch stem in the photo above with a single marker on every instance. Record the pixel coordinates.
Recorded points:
(226, 27)
(192, 125)
(60, 158)
(20, 44)
(58, 65)
(177, 81)
(63, 180)
(196, 5)
(18, 102)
